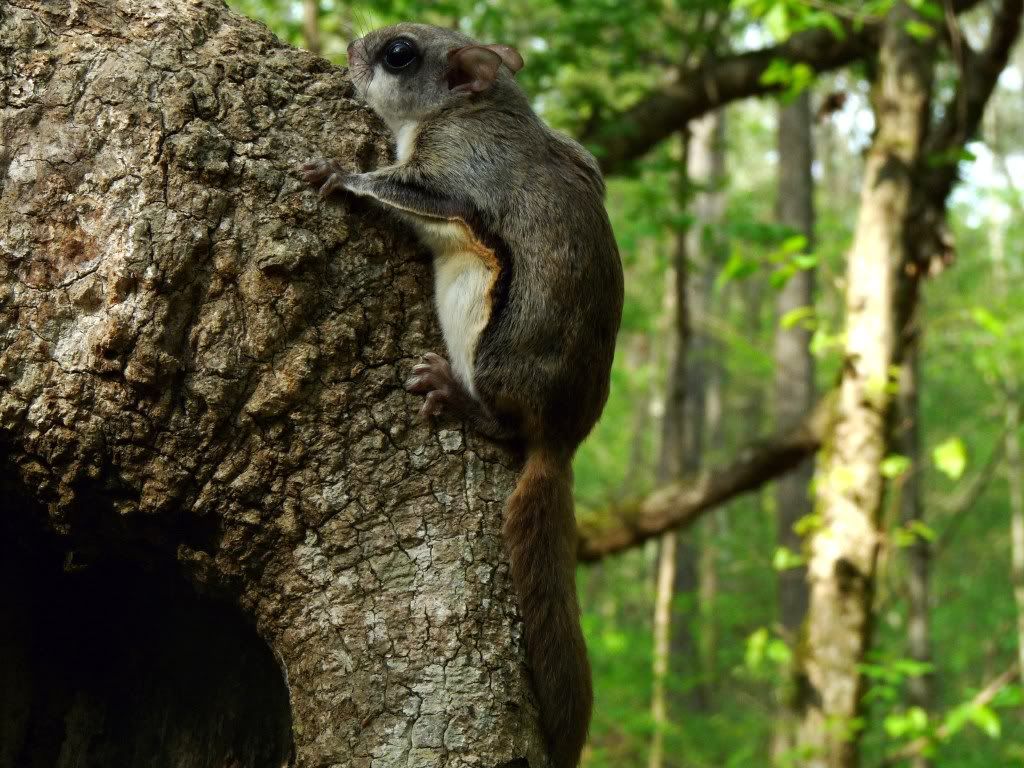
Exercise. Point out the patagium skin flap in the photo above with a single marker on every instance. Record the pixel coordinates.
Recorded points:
(528, 289)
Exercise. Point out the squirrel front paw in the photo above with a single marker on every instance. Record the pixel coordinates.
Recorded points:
(327, 174)
(433, 378)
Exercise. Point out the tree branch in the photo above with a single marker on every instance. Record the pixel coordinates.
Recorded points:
(682, 503)
(965, 110)
(621, 138)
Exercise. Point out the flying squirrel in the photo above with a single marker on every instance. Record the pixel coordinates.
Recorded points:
(528, 289)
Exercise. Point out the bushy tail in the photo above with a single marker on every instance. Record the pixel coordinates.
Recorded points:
(540, 534)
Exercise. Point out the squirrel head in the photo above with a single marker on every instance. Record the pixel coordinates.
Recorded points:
(408, 71)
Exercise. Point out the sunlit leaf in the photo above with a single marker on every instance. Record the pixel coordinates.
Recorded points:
(785, 559)
(919, 30)
(986, 720)
(894, 465)
(988, 321)
(950, 457)
(802, 316)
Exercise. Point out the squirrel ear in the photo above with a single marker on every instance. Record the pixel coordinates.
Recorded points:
(474, 68)
(509, 55)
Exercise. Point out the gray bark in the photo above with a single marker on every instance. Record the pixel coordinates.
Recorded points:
(908, 439)
(696, 256)
(200, 389)
(794, 396)
(704, 372)
(794, 364)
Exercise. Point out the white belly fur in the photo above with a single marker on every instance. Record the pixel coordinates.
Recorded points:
(462, 284)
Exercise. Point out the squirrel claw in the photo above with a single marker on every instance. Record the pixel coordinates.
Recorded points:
(420, 382)
(433, 404)
(326, 174)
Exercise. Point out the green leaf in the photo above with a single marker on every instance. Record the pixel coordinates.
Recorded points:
(794, 78)
(777, 21)
(805, 260)
(950, 458)
(784, 559)
(757, 642)
(831, 23)
(928, 9)
(950, 156)
(894, 465)
(986, 720)
(988, 321)
(737, 267)
(922, 530)
(823, 342)
(802, 316)
(778, 278)
(807, 524)
(919, 30)
(912, 667)
(794, 244)
(778, 652)
(911, 723)
(903, 538)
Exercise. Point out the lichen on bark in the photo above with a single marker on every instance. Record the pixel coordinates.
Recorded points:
(201, 363)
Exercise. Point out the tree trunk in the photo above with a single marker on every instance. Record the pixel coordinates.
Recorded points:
(1015, 478)
(794, 364)
(311, 25)
(908, 440)
(1014, 460)
(706, 370)
(662, 624)
(638, 356)
(844, 547)
(695, 259)
(794, 385)
(203, 428)
(673, 643)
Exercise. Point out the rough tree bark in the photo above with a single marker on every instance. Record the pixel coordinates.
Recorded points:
(200, 379)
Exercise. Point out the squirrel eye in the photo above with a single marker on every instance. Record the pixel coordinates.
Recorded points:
(399, 54)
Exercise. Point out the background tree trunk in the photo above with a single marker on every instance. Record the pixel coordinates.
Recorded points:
(705, 388)
(911, 496)
(204, 431)
(794, 365)
(844, 547)
(794, 396)
(311, 25)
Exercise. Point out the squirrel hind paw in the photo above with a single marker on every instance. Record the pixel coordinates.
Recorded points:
(432, 374)
(433, 378)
